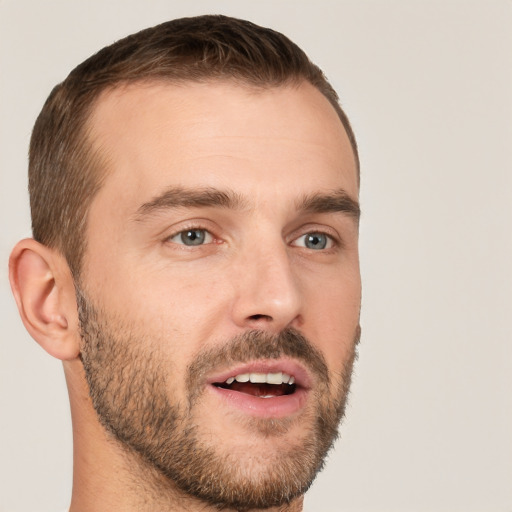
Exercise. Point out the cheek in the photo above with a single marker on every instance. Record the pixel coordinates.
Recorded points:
(184, 307)
(332, 313)
(151, 284)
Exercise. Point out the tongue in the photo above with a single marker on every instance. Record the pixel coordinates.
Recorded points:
(260, 389)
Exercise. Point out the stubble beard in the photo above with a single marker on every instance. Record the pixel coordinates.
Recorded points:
(128, 388)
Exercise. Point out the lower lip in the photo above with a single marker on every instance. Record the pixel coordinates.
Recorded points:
(274, 407)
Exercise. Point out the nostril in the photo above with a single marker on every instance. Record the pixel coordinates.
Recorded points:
(260, 317)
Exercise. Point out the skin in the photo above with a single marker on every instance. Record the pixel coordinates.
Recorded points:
(270, 148)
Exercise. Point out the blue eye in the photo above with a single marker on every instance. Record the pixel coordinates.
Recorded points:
(314, 241)
(192, 237)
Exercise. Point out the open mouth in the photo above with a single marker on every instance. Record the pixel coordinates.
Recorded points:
(263, 388)
(261, 385)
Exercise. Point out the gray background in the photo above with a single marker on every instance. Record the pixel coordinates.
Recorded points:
(428, 86)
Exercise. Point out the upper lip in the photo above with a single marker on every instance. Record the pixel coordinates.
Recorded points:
(289, 366)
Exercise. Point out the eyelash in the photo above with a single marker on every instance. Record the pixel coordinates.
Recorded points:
(332, 241)
(189, 229)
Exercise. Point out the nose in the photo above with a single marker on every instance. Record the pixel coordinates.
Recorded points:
(267, 289)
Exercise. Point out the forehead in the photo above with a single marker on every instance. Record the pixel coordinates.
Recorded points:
(219, 134)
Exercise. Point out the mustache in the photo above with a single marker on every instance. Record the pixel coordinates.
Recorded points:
(256, 344)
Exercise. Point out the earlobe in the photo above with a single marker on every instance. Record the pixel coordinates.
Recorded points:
(44, 291)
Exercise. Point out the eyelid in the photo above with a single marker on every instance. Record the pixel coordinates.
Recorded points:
(332, 242)
(208, 237)
(310, 229)
(192, 225)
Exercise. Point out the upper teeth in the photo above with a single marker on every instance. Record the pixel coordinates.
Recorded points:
(263, 378)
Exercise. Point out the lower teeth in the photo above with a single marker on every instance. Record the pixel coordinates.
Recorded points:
(259, 390)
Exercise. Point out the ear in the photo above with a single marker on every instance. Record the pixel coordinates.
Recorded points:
(45, 294)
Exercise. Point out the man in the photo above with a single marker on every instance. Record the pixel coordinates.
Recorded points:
(195, 266)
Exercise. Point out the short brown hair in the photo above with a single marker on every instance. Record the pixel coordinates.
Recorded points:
(64, 174)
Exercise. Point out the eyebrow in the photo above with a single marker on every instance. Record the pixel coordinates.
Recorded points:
(179, 197)
(337, 201)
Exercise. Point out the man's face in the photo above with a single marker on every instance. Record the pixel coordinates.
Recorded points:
(222, 247)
